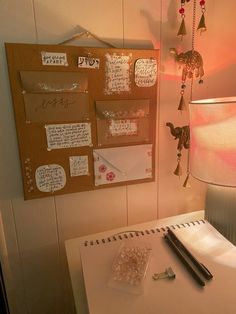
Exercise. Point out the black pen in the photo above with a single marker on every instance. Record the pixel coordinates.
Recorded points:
(184, 260)
(203, 270)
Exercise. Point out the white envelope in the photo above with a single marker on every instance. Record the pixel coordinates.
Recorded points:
(119, 164)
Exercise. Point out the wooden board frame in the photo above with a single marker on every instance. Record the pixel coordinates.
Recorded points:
(31, 135)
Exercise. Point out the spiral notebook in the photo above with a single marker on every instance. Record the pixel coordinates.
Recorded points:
(181, 295)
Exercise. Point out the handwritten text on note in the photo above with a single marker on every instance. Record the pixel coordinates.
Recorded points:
(54, 58)
(50, 178)
(117, 72)
(124, 127)
(78, 166)
(145, 72)
(88, 63)
(68, 135)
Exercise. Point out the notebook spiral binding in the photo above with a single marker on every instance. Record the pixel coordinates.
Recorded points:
(139, 233)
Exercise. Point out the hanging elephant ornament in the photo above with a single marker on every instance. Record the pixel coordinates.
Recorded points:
(191, 63)
(181, 134)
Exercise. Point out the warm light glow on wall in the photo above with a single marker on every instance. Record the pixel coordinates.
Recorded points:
(213, 140)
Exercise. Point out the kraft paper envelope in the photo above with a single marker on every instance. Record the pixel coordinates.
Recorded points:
(56, 107)
(119, 164)
(122, 121)
(123, 131)
(53, 82)
(122, 109)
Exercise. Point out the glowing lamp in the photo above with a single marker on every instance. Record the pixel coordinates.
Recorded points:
(213, 140)
(213, 159)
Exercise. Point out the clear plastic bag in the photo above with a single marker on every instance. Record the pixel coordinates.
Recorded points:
(129, 266)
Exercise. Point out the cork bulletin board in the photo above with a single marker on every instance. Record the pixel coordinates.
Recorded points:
(85, 117)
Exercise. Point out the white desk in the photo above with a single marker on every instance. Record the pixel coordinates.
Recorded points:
(74, 259)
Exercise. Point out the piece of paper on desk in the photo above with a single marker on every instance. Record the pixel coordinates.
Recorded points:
(204, 239)
(182, 295)
(119, 164)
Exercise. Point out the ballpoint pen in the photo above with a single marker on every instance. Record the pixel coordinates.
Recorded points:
(184, 260)
(202, 268)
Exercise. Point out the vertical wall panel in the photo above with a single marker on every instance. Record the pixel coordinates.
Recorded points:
(217, 46)
(142, 203)
(87, 212)
(11, 261)
(102, 18)
(142, 30)
(83, 213)
(142, 21)
(14, 16)
(37, 239)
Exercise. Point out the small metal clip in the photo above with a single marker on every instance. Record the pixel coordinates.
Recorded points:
(168, 273)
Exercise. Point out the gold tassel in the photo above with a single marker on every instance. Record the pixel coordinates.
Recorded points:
(182, 29)
(182, 105)
(186, 182)
(202, 25)
(178, 170)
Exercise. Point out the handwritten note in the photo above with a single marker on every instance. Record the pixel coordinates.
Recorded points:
(125, 127)
(54, 58)
(50, 178)
(78, 166)
(88, 63)
(117, 73)
(145, 72)
(68, 135)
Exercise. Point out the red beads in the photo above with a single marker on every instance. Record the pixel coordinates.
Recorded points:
(181, 10)
(202, 3)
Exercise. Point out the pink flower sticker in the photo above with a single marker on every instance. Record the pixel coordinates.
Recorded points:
(110, 176)
(102, 168)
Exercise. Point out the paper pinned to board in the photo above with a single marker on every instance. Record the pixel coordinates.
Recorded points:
(124, 127)
(78, 166)
(145, 72)
(88, 63)
(68, 135)
(50, 178)
(117, 73)
(54, 58)
(119, 164)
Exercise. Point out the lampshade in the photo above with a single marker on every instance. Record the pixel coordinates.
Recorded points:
(213, 140)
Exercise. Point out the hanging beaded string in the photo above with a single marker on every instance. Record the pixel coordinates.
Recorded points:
(192, 64)
(186, 181)
(193, 43)
(182, 30)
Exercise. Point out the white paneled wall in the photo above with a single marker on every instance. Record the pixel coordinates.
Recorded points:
(33, 232)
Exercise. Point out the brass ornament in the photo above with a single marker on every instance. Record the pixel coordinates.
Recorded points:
(182, 29)
(202, 24)
(178, 170)
(191, 63)
(182, 135)
(182, 104)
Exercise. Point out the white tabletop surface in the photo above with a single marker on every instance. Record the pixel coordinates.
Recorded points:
(74, 259)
